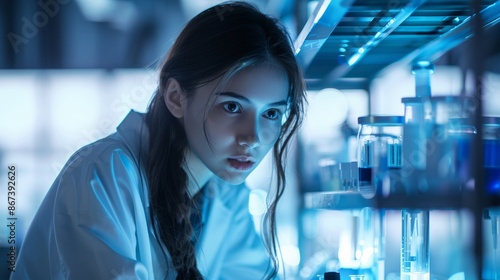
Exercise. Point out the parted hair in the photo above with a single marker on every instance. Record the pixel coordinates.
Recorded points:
(222, 39)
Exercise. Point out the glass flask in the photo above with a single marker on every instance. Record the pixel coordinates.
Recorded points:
(436, 156)
(380, 141)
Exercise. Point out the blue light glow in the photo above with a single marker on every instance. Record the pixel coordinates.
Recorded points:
(354, 58)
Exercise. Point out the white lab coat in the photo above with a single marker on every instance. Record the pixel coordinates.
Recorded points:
(94, 222)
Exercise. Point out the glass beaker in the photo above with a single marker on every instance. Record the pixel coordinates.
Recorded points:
(380, 141)
(433, 152)
(491, 147)
(415, 245)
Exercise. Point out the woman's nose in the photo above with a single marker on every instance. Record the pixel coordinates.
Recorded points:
(249, 141)
(249, 134)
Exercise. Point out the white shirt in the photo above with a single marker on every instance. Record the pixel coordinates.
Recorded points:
(94, 222)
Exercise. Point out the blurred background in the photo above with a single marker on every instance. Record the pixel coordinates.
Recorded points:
(70, 70)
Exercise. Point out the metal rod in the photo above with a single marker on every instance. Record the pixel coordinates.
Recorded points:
(478, 170)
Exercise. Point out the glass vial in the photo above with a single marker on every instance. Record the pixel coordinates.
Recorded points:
(415, 245)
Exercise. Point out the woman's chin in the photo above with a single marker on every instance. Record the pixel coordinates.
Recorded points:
(231, 178)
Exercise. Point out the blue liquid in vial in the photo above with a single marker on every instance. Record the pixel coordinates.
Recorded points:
(492, 166)
(365, 175)
(492, 179)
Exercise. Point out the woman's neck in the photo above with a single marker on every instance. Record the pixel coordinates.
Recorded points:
(198, 173)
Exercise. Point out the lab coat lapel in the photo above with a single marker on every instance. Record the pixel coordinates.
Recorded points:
(135, 133)
(216, 229)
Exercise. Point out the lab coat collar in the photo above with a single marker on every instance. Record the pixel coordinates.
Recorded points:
(135, 133)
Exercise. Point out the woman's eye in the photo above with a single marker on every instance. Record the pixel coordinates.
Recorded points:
(272, 114)
(232, 107)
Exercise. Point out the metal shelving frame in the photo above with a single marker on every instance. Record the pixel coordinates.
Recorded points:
(314, 35)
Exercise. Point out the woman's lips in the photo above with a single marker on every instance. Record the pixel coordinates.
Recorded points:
(241, 164)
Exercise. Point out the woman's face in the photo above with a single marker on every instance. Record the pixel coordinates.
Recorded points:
(242, 123)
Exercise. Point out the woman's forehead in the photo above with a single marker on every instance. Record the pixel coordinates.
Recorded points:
(263, 83)
(270, 80)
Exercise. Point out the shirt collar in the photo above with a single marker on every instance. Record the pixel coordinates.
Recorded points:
(135, 133)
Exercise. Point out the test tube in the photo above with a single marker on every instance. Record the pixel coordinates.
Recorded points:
(345, 176)
(494, 214)
(381, 244)
(415, 245)
(494, 221)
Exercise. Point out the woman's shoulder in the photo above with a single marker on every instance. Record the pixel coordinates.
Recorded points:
(127, 143)
(97, 150)
(101, 153)
(102, 172)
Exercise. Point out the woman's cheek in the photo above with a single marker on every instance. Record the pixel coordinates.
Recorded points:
(219, 127)
(270, 133)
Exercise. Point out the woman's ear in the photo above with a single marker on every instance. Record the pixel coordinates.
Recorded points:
(172, 96)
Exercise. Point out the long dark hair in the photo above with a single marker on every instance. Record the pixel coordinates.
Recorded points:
(216, 43)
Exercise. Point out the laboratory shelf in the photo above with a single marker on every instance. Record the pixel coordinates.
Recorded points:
(348, 43)
(352, 200)
(427, 201)
(336, 200)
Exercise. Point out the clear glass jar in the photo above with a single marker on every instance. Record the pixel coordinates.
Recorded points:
(380, 141)
(435, 153)
(491, 147)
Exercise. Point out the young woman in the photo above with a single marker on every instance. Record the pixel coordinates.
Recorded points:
(163, 197)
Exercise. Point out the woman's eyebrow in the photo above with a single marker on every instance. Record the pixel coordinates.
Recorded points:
(243, 98)
(279, 103)
(234, 95)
